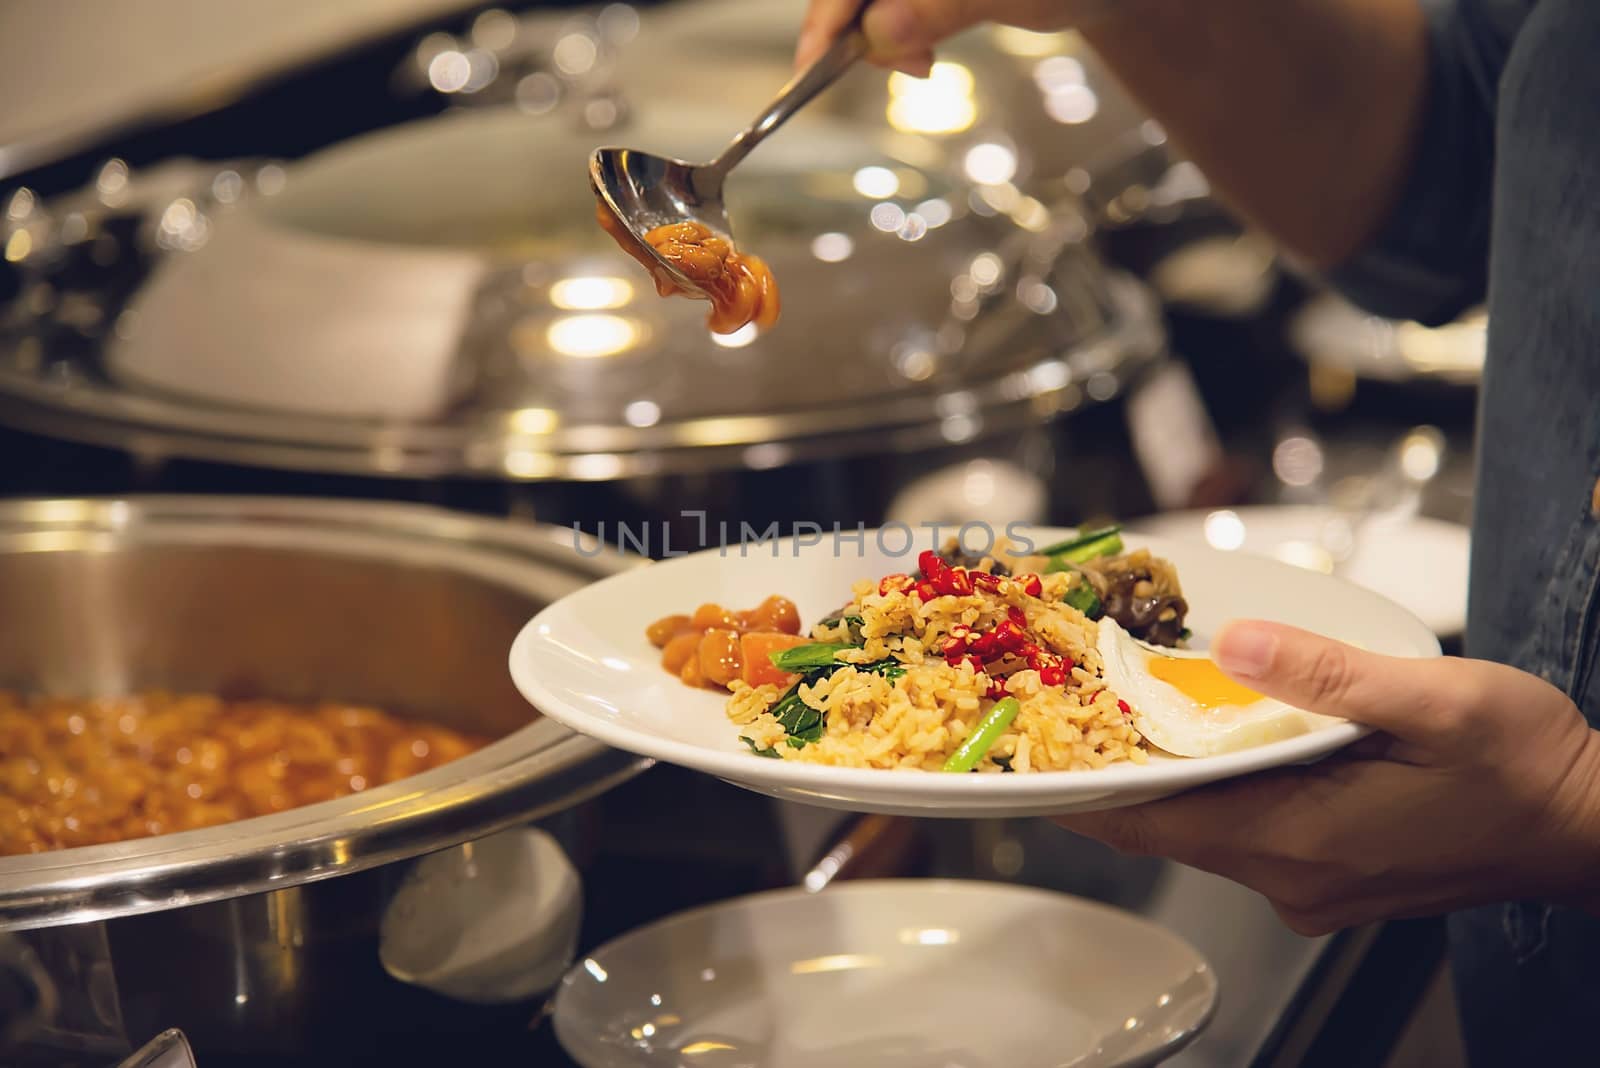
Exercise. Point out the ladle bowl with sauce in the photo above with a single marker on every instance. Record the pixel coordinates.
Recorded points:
(665, 211)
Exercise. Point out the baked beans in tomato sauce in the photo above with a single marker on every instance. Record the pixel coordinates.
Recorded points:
(85, 772)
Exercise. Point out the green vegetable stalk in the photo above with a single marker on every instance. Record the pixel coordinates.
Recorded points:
(989, 729)
(1085, 600)
(1086, 537)
(808, 657)
(1107, 541)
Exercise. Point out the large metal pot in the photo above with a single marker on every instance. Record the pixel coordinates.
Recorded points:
(429, 310)
(261, 936)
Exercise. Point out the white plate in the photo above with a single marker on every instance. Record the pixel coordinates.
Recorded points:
(890, 974)
(1419, 563)
(584, 661)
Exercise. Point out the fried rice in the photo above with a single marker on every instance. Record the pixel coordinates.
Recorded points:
(920, 717)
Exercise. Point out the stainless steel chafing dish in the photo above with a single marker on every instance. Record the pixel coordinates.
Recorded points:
(434, 300)
(263, 936)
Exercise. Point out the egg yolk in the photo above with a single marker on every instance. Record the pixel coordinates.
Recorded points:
(1201, 681)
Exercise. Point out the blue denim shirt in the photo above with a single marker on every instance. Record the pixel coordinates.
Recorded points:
(1503, 203)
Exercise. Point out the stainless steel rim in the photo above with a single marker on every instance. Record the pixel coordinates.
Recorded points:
(153, 426)
(540, 769)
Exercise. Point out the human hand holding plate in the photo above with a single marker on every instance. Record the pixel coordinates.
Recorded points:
(1482, 784)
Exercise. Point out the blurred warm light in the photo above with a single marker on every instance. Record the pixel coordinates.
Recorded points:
(21, 204)
(738, 339)
(449, 70)
(591, 293)
(482, 69)
(18, 247)
(1058, 72)
(1305, 554)
(986, 269)
(915, 362)
(1038, 297)
(832, 247)
(990, 163)
(535, 420)
(958, 429)
(575, 53)
(112, 181)
(1031, 214)
(836, 962)
(538, 92)
(1004, 197)
(271, 179)
(1021, 42)
(767, 455)
(227, 186)
(941, 103)
(1457, 346)
(495, 29)
(74, 228)
(877, 183)
(642, 413)
(179, 216)
(592, 336)
(600, 467)
(1102, 386)
(888, 217)
(600, 112)
(1072, 104)
(1224, 530)
(935, 212)
(524, 463)
(1297, 461)
(430, 46)
(618, 22)
(1421, 454)
(182, 226)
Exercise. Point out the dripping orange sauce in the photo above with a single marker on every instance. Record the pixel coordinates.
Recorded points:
(740, 287)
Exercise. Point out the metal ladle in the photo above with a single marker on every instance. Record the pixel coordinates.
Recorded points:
(644, 191)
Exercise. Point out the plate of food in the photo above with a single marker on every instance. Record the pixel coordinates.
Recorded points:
(1045, 672)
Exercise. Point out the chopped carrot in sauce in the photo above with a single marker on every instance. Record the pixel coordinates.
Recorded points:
(714, 646)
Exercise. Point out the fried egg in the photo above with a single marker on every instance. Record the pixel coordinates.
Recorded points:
(1183, 703)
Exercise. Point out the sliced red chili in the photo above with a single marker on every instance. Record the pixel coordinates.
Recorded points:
(1032, 585)
(959, 582)
(896, 583)
(927, 592)
(931, 563)
(1010, 635)
(1052, 676)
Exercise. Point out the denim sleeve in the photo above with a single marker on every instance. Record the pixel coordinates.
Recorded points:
(1429, 260)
